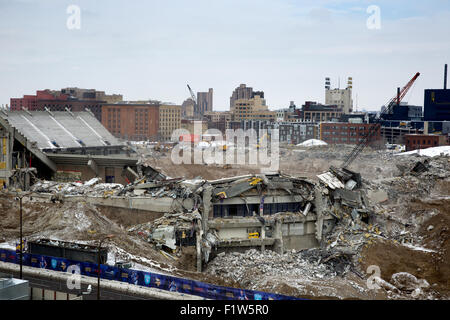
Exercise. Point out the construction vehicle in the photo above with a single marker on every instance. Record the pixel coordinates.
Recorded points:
(373, 129)
(253, 235)
(261, 141)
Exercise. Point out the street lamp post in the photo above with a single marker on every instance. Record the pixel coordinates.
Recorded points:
(20, 241)
(20, 197)
(99, 263)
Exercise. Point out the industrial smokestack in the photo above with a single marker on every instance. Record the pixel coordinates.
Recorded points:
(445, 76)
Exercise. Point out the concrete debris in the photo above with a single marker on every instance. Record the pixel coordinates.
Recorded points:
(350, 184)
(91, 188)
(312, 264)
(23, 178)
(330, 180)
(385, 285)
(171, 230)
(408, 282)
(377, 196)
(306, 210)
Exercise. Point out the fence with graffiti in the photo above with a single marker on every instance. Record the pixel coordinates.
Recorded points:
(141, 278)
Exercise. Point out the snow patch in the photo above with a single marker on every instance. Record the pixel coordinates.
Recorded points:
(312, 143)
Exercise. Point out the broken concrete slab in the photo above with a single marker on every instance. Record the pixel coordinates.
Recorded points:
(330, 180)
(348, 197)
(377, 196)
(350, 184)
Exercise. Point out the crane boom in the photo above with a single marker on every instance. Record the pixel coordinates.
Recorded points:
(192, 94)
(373, 129)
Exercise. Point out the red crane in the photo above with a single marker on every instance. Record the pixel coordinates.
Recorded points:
(373, 129)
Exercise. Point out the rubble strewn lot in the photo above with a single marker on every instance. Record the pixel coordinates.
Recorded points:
(394, 218)
(400, 238)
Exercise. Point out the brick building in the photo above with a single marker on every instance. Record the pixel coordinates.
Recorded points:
(132, 121)
(90, 94)
(423, 141)
(56, 101)
(348, 133)
(30, 102)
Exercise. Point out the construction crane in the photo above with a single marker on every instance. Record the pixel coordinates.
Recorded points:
(373, 129)
(193, 97)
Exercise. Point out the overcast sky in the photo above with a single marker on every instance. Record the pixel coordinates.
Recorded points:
(152, 49)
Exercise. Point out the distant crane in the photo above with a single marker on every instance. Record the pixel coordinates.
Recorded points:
(193, 98)
(373, 129)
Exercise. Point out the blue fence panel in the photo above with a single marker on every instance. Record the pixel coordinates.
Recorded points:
(142, 278)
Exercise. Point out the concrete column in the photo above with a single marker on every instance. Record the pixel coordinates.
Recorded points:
(278, 235)
(199, 234)
(263, 236)
(93, 165)
(207, 195)
(319, 211)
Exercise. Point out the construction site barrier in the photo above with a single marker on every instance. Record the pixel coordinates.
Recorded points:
(141, 278)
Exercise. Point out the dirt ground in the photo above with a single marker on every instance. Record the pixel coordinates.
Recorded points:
(432, 266)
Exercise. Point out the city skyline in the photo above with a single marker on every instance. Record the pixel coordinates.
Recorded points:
(284, 48)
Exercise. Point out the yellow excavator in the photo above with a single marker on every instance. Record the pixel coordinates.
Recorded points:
(261, 140)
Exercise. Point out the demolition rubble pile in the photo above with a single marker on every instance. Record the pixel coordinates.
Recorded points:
(92, 187)
(163, 231)
(173, 188)
(314, 272)
(312, 263)
(365, 212)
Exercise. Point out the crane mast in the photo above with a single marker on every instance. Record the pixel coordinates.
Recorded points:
(373, 129)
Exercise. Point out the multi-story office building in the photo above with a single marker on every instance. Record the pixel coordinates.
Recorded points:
(204, 102)
(132, 121)
(252, 109)
(349, 133)
(314, 112)
(288, 132)
(169, 120)
(244, 92)
(187, 109)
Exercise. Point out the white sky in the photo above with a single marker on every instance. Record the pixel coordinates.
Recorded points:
(152, 49)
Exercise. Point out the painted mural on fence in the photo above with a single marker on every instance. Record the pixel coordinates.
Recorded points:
(141, 278)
